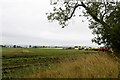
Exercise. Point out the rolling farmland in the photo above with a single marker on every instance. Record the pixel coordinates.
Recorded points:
(57, 63)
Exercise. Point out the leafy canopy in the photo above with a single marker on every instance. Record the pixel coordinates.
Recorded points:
(104, 18)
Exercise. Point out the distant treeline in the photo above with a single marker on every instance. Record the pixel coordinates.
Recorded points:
(29, 46)
(62, 47)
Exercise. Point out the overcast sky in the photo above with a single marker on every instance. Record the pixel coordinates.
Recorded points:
(24, 22)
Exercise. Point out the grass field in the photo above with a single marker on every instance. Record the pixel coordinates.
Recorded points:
(57, 63)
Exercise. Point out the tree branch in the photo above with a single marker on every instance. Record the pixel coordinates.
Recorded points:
(93, 16)
(75, 7)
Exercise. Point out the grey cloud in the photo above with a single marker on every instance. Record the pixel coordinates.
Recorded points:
(25, 22)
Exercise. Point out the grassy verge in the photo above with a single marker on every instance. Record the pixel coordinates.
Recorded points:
(85, 66)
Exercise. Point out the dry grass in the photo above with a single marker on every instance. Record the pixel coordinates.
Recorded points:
(84, 66)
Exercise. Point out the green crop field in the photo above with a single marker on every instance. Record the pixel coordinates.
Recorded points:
(57, 63)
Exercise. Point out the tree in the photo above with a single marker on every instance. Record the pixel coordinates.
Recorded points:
(30, 46)
(14, 46)
(103, 16)
(108, 36)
